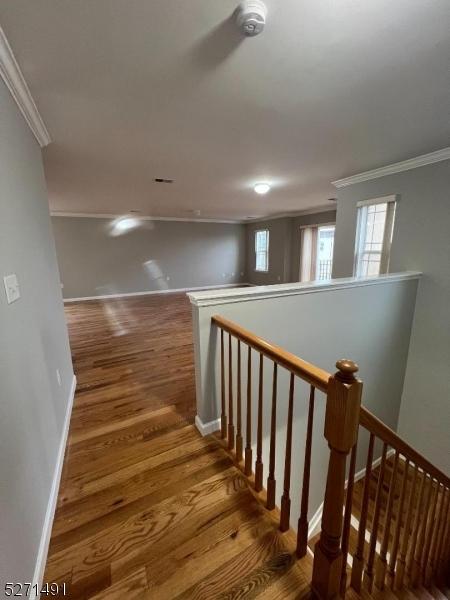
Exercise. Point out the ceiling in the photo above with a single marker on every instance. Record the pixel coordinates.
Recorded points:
(138, 89)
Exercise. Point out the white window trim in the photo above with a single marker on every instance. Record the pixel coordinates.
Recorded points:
(382, 200)
(266, 270)
(330, 224)
(385, 252)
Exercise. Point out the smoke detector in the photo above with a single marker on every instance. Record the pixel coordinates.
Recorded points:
(251, 17)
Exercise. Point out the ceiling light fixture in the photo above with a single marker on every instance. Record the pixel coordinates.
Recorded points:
(262, 188)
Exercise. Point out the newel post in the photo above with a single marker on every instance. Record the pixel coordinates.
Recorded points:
(341, 428)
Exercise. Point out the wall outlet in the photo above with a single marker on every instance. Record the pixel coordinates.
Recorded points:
(167, 278)
(232, 274)
(58, 377)
(279, 277)
(11, 288)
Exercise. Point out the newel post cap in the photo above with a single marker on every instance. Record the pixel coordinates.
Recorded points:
(346, 369)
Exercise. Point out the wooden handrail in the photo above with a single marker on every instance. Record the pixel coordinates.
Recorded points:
(419, 525)
(305, 370)
(370, 422)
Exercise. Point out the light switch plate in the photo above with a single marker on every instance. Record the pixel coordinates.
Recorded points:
(11, 288)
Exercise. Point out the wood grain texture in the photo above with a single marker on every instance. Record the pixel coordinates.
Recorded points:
(147, 508)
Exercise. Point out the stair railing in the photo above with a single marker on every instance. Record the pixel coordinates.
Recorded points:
(343, 392)
(409, 516)
(414, 502)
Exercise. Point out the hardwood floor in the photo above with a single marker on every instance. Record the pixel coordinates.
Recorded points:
(147, 508)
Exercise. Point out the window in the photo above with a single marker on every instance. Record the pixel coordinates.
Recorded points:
(262, 250)
(374, 236)
(316, 261)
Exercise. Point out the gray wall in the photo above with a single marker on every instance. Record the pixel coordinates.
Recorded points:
(370, 324)
(421, 242)
(284, 247)
(280, 232)
(33, 344)
(158, 255)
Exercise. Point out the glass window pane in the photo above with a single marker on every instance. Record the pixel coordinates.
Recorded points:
(372, 224)
(261, 250)
(325, 244)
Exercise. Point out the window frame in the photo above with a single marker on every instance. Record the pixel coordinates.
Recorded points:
(309, 237)
(317, 265)
(265, 252)
(360, 239)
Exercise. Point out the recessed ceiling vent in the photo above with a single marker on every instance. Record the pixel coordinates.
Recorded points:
(161, 180)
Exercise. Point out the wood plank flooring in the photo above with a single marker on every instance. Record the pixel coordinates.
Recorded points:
(147, 508)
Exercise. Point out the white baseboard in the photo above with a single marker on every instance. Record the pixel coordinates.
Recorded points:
(51, 506)
(314, 523)
(207, 428)
(151, 292)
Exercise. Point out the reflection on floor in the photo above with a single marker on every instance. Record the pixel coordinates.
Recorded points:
(147, 508)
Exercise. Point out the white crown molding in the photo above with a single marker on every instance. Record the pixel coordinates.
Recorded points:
(81, 215)
(57, 213)
(405, 165)
(15, 82)
(301, 213)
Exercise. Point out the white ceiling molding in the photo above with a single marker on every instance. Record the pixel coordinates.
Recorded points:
(309, 211)
(405, 165)
(15, 82)
(141, 218)
(301, 213)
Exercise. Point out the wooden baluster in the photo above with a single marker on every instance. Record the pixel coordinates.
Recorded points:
(347, 518)
(416, 527)
(271, 483)
(230, 396)
(398, 526)
(358, 558)
(223, 418)
(368, 573)
(415, 573)
(239, 441)
(248, 445)
(445, 557)
(380, 573)
(429, 531)
(302, 528)
(400, 574)
(341, 430)
(444, 520)
(285, 498)
(258, 463)
(429, 564)
(442, 553)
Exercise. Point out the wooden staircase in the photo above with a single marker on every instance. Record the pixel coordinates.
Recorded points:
(386, 536)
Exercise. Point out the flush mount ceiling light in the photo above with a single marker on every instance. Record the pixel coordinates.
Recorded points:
(262, 188)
